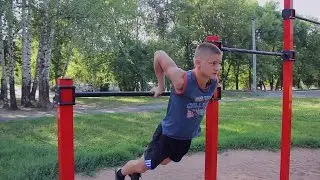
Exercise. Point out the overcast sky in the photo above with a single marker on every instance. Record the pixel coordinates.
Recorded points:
(303, 7)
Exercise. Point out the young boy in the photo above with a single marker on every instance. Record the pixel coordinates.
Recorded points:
(189, 97)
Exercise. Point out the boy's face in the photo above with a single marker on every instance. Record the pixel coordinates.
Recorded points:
(210, 65)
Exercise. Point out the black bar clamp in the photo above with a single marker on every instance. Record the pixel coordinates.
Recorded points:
(288, 55)
(218, 97)
(217, 43)
(288, 14)
(58, 96)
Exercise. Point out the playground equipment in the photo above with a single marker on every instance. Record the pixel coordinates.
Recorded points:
(66, 99)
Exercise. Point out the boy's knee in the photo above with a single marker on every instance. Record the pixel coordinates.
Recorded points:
(139, 166)
(166, 161)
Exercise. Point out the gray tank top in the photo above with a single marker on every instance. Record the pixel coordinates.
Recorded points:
(186, 109)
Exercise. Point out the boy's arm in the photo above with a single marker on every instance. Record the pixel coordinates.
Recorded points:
(164, 65)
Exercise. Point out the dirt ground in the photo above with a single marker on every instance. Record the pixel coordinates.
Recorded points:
(233, 165)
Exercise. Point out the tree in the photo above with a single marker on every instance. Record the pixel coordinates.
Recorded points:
(4, 88)
(10, 18)
(308, 47)
(44, 78)
(231, 20)
(269, 35)
(26, 53)
(41, 79)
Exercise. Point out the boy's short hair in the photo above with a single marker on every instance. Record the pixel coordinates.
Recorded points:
(206, 47)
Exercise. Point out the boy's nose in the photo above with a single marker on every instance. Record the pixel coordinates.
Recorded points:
(217, 68)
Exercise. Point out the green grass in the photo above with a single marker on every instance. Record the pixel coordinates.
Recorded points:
(29, 148)
(236, 94)
(110, 102)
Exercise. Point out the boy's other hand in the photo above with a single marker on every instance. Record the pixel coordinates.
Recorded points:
(157, 91)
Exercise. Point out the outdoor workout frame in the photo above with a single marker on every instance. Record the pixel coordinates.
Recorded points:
(288, 56)
(66, 99)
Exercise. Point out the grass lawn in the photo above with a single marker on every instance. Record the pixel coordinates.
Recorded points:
(109, 102)
(29, 148)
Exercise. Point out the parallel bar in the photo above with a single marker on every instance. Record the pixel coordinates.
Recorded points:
(309, 20)
(251, 51)
(287, 96)
(106, 94)
(65, 133)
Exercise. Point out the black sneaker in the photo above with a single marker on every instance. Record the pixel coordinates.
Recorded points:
(117, 175)
(135, 176)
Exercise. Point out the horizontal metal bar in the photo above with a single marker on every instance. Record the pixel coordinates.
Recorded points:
(251, 51)
(309, 20)
(124, 93)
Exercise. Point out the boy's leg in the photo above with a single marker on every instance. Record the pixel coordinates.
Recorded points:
(156, 153)
(139, 166)
(134, 166)
(178, 149)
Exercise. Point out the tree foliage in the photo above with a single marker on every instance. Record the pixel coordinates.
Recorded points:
(111, 42)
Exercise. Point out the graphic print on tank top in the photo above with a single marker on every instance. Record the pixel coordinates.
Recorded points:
(198, 107)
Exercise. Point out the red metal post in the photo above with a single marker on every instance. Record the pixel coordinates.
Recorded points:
(212, 121)
(65, 132)
(287, 96)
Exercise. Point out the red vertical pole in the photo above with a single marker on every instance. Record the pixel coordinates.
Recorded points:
(211, 157)
(65, 131)
(287, 96)
(212, 121)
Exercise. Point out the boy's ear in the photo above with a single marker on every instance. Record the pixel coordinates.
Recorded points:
(196, 62)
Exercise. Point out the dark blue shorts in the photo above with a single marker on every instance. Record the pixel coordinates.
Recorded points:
(162, 147)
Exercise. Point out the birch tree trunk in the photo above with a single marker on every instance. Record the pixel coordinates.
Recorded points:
(13, 101)
(44, 63)
(36, 76)
(41, 50)
(44, 79)
(26, 55)
(41, 65)
(4, 87)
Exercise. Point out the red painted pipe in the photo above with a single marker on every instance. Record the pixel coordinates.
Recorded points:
(212, 121)
(65, 132)
(287, 96)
